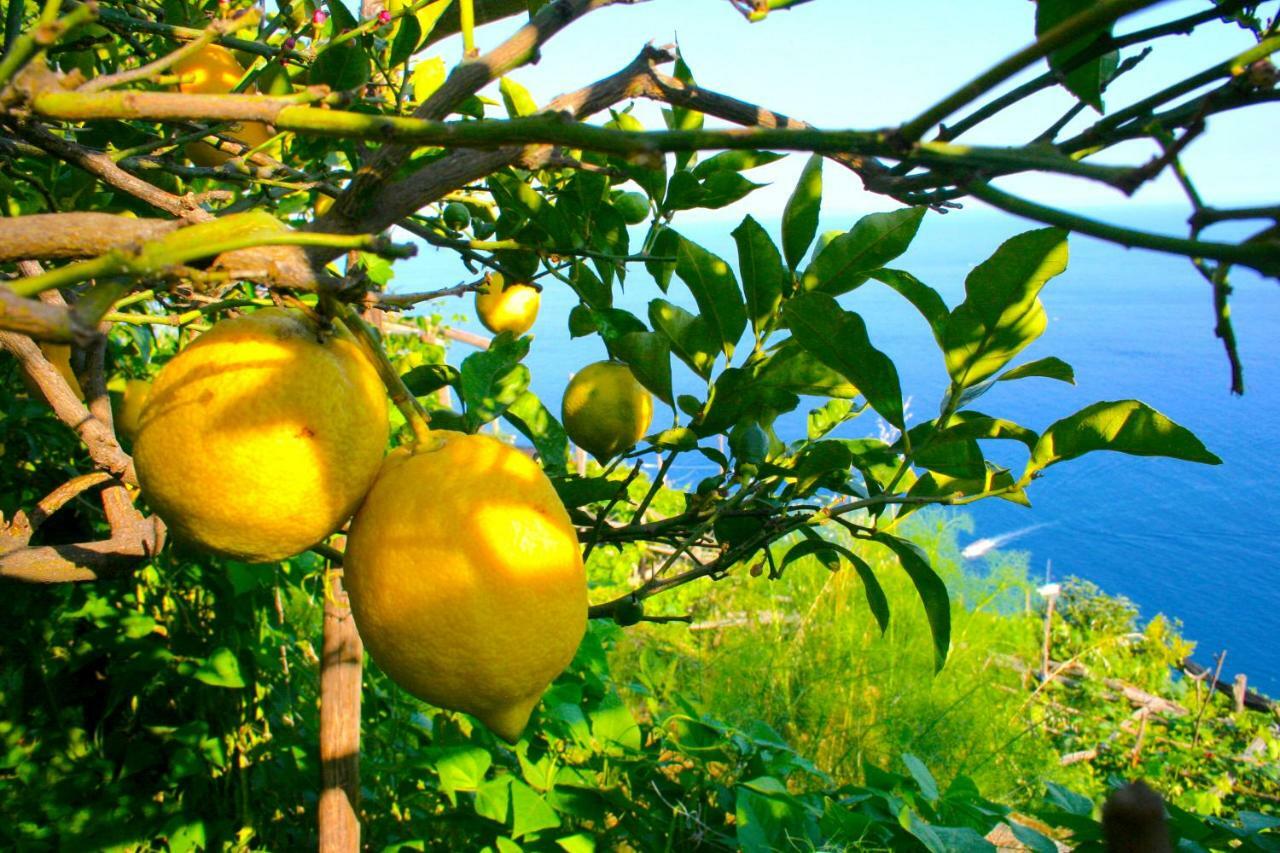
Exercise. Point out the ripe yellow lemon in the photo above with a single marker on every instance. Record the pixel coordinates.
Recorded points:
(129, 411)
(507, 307)
(605, 410)
(260, 439)
(466, 579)
(215, 71)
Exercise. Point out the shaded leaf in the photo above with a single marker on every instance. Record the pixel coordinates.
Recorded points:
(838, 338)
(649, 357)
(925, 299)
(762, 272)
(427, 378)
(933, 592)
(800, 216)
(848, 260)
(876, 599)
(341, 67)
(715, 289)
(691, 338)
(536, 423)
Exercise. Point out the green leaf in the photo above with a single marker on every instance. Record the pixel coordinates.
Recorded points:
(721, 189)
(342, 17)
(678, 438)
(690, 336)
(735, 161)
(649, 357)
(828, 416)
(838, 338)
(925, 299)
(463, 768)
(1068, 801)
(680, 118)
(580, 491)
(220, 669)
(924, 779)
(427, 76)
(933, 592)
(715, 289)
(1050, 368)
(516, 98)
(664, 245)
(493, 799)
(612, 723)
(528, 415)
(428, 378)
(966, 425)
(849, 259)
(1001, 312)
(800, 216)
(491, 380)
(1086, 80)
(343, 67)
(1031, 839)
(795, 370)
(762, 272)
(530, 812)
(408, 36)
(1124, 426)
(580, 842)
(876, 599)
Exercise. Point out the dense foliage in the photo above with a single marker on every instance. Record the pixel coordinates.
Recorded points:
(161, 697)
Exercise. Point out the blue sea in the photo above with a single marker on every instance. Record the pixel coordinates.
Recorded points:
(1198, 543)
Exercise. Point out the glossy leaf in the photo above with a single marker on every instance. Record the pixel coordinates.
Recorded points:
(649, 357)
(1124, 426)
(492, 379)
(800, 216)
(715, 289)
(792, 368)
(1001, 313)
(838, 338)
(933, 592)
(690, 336)
(462, 768)
(428, 378)
(529, 811)
(828, 416)
(536, 423)
(923, 778)
(1050, 368)
(874, 241)
(762, 272)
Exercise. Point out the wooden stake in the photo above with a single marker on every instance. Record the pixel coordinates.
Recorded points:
(340, 666)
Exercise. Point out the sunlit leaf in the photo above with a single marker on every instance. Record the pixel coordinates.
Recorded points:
(874, 241)
(1124, 426)
(762, 272)
(1049, 368)
(800, 216)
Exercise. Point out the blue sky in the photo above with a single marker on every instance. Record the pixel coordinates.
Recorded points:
(844, 63)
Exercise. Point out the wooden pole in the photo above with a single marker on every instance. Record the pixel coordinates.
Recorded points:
(340, 665)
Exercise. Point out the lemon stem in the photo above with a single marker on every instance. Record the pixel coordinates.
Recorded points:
(414, 413)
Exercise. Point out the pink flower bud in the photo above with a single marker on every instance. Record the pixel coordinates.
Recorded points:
(384, 18)
(290, 43)
(319, 17)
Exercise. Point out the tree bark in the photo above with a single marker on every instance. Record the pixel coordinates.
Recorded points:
(340, 669)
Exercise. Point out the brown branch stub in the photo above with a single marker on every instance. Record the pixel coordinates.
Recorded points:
(134, 538)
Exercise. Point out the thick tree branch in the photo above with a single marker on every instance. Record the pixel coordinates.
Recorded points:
(105, 169)
(46, 236)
